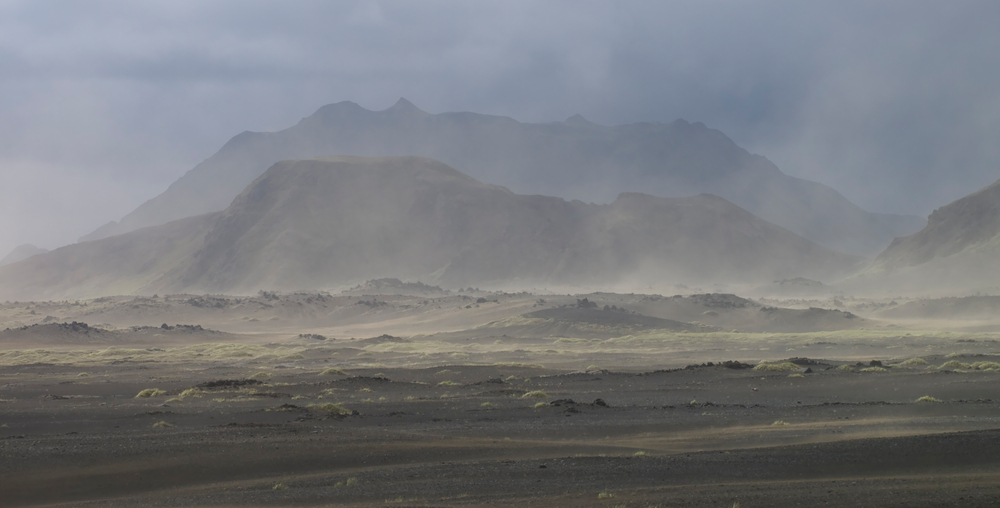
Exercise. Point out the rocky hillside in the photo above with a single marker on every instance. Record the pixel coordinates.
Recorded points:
(959, 249)
(967, 224)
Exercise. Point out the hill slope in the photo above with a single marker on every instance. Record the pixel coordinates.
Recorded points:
(575, 158)
(21, 252)
(343, 220)
(968, 223)
(958, 249)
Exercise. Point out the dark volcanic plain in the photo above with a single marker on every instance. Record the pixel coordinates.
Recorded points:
(493, 399)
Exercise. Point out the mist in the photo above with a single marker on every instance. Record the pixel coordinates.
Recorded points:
(520, 253)
(106, 104)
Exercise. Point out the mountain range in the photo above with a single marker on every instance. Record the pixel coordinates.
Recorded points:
(331, 222)
(571, 159)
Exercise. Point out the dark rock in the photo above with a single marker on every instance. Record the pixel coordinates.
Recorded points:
(804, 361)
(730, 364)
(560, 402)
(313, 336)
(229, 383)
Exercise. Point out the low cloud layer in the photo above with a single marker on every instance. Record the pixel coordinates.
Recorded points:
(105, 103)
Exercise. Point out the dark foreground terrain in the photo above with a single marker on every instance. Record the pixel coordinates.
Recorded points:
(813, 433)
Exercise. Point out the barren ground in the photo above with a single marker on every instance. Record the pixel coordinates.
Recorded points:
(479, 405)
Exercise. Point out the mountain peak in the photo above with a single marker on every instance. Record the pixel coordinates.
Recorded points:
(340, 106)
(404, 106)
(578, 119)
(330, 112)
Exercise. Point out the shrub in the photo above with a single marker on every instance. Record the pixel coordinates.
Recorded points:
(162, 425)
(605, 495)
(330, 407)
(845, 367)
(954, 365)
(874, 369)
(279, 486)
(928, 398)
(333, 372)
(536, 394)
(486, 405)
(449, 383)
(780, 422)
(986, 366)
(777, 367)
(190, 392)
(150, 392)
(539, 404)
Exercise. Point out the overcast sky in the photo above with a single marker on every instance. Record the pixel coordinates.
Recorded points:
(104, 104)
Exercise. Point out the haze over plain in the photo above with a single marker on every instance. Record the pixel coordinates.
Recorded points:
(611, 254)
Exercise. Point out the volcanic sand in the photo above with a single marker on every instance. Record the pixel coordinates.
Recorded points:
(464, 413)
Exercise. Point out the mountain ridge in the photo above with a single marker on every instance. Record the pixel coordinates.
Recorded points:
(959, 225)
(958, 251)
(574, 158)
(322, 223)
(21, 252)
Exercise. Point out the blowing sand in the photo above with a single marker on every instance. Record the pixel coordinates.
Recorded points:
(486, 405)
